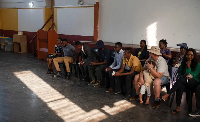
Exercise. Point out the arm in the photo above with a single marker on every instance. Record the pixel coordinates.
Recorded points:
(168, 55)
(129, 73)
(195, 72)
(122, 69)
(120, 62)
(100, 63)
(88, 51)
(156, 74)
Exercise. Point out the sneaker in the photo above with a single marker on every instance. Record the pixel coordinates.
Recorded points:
(58, 74)
(48, 71)
(194, 114)
(119, 92)
(92, 82)
(156, 104)
(109, 90)
(68, 75)
(97, 83)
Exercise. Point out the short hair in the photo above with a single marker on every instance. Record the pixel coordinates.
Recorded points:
(164, 41)
(65, 40)
(78, 43)
(119, 44)
(128, 50)
(60, 39)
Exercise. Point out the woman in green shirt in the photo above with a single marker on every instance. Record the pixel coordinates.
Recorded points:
(188, 78)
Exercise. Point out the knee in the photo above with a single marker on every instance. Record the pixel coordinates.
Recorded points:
(157, 82)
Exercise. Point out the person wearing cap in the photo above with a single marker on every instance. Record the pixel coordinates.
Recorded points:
(161, 74)
(179, 57)
(131, 67)
(98, 68)
(68, 57)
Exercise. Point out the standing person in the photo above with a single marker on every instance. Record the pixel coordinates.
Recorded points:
(161, 74)
(188, 78)
(98, 68)
(68, 57)
(142, 52)
(131, 67)
(50, 57)
(88, 56)
(115, 66)
(166, 53)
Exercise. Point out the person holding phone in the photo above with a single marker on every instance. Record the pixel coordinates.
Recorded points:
(188, 78)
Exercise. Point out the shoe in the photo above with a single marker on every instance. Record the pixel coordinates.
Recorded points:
(109, 90)
(136, 97)
(156, 104)
(126, 97)
(119, 92)
(97, 83)
(68, 75)
(58, 74)
(92, 82)
(49, 71)
(194, 114)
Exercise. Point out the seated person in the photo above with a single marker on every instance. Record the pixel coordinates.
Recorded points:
(147, 79)
(179, 57)
(188, 78)
(131, 66)
(98, 68)
(68, 57)
(161, 74)
(115, 66)
(166, 53)
(50, 57)
(142, 52)
(88, 55)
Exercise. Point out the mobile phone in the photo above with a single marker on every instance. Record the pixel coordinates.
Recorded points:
(113, 74)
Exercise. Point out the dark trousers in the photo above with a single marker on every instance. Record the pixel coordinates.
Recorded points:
(84, 70)
(111, 79)
(181, 85)
(125, 82)
(98, 72)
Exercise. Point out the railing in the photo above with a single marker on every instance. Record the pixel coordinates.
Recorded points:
(51, 26)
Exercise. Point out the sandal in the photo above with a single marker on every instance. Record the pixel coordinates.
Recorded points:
(175, 111)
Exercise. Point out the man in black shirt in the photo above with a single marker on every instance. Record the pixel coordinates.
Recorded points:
(98, 68)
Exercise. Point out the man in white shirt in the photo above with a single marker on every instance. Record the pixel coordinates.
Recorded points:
(115, 66)
(161, 74)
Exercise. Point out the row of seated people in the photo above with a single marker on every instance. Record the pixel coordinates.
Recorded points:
(126, 67)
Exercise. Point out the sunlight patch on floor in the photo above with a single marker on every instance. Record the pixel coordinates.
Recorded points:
(63, 107)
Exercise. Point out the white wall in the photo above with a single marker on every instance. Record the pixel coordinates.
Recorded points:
(30, 19)
(76, 21)
(73, 2)
(128, 20)
(24, 3)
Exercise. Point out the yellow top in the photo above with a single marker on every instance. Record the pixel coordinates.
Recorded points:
(139, 54)
(4, 37)
(133, 61)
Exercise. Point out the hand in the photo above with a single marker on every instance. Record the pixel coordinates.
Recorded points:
(74, 62)
(92, 63)
(149, 65)
(108, 69)
(188, 64)
(81, 63)
(189, 76)
(117, 74)
(54, 54)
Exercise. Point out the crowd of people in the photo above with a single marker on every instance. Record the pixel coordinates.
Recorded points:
(132, 74)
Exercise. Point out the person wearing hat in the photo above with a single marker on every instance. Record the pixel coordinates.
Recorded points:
(161, 74)
(98, 68)
(179, 57)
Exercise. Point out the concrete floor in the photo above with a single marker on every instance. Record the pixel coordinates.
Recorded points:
(27, 94)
